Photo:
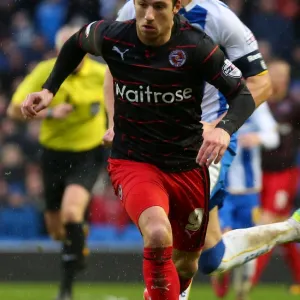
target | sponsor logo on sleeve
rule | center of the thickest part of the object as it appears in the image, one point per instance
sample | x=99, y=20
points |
x=88, y=29
x=229, y=69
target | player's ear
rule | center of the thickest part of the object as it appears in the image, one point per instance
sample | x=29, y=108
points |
x=177, y=6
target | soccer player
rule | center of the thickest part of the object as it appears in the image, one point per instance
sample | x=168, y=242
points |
x=244, y=183
x=280, y=171
x=71, y=154
x=159, y=63
x=239, y=44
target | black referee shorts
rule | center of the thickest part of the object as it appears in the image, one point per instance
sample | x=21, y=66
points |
x=62, y=168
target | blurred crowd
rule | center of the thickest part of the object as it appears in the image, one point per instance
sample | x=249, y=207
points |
x=27, y=34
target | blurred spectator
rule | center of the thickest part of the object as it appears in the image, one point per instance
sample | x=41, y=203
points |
x=34, y=189
x=10, y=132
x=107, y=209
x=88, y=10
x=3, y=105
x=236, y=5
x=13, y=167
x=22, y=29
x=50, y=16
x=267, y=24
x=6, y=11
x=31, y=146
x=109, y=8
x=289, y=8
x=296, y=62
x=295, y=91
x=281, y=173
x=266, y=50
x=3, y=193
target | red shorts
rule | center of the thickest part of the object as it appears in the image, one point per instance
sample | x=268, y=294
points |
x=279, y=191
x=184, y=196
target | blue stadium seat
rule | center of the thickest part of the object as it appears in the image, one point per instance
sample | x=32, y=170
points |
x=20, y=223
x=131, y=233
x=103, y=233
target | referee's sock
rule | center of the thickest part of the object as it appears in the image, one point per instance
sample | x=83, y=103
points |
x=72, y=255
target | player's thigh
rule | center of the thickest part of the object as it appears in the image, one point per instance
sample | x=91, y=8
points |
x=189, y=197
x=279, y=191
x=218, y=175
x=139, y=186
x=53, y=174
x=82, y=174
x=214, y=232
x=247, y=212
x=84, y=168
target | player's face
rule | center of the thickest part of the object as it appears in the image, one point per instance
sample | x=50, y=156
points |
x=154, y=20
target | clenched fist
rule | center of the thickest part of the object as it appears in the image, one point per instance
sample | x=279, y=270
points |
x=36, y=102
x=215, y=143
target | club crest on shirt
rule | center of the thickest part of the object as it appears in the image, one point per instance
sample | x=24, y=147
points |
x=177, y=58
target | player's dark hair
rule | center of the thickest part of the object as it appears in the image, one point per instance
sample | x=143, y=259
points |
x=174, y=2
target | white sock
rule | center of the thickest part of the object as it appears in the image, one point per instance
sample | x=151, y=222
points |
x=242, y=276
x=243, y=245
x=185, y=295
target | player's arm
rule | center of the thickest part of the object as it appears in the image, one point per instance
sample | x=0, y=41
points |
x=241, y=48
x=267, y=134
x=260, y=87
x=88, y=39
x=109, y=97
x=31, y=83
x=227, y=78
x=210, y=62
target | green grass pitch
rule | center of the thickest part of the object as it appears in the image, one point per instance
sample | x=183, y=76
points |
x=130, y=291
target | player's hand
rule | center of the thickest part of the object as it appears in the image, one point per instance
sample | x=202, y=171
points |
x=249, y=140
x=36, y=102
x=215, y=143
x=61, y=111
x=208, y=127
x=108, y=137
